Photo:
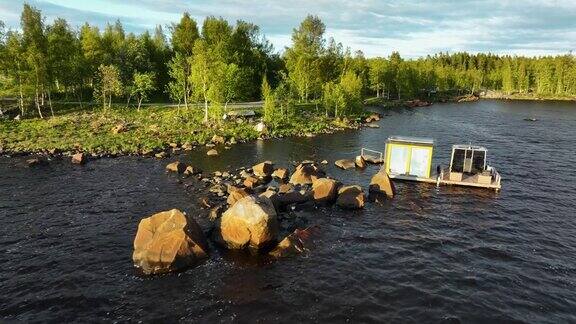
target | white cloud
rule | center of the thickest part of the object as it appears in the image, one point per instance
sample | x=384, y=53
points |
x=377, y=27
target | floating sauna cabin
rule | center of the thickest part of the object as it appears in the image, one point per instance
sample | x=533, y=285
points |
x=409, y=156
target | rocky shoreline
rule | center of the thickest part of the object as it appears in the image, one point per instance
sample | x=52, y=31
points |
x=251, y=208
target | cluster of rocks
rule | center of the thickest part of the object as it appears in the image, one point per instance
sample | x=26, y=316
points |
x=359, y=162
x=249, y=208
x=468, y=98
x=417, y=103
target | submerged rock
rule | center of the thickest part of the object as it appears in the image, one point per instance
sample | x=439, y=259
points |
x=212, y=152
x=350, y=197
x=36, y=162
x=381, y=184
x=291, y=245
x=251, y=222
x=168, y=241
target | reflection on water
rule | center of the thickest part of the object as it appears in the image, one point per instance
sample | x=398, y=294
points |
x=429, y=255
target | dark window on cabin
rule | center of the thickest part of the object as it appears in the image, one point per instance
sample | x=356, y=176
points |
x=458, y=160
x=478, y=161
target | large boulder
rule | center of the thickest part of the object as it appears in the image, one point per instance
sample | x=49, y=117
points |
x=177, y=167
x=236, y=194
x=345, y=164
x=251, y=222
x=263, y=169
x=381, y=184
x=305, y=173
x=324, y=190
x=350, y=197
x=168, y=241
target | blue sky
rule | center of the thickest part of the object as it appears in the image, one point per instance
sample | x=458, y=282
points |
x=415, y=28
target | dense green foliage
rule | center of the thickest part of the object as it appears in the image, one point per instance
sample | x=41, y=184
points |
x=218, y=63
x=543, y=76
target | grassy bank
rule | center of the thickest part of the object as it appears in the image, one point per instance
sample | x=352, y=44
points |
x=150, y=130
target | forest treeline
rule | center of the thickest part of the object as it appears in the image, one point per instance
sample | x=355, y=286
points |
x=219, y=62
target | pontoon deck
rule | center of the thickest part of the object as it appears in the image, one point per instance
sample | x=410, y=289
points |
x=410, y=158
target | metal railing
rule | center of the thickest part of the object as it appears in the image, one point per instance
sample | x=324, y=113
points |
x=379, y=154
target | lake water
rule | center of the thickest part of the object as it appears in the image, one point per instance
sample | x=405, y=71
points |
x=431, y=254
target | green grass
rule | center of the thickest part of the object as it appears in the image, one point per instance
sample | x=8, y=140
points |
x=152, y=128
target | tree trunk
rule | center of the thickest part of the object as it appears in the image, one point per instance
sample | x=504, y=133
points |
x=205, y=110
x=128, y=101
x=139, y=103
x=21, y=97
x=37, y=99
x=110, y=101
x=80, y=98
x=185, y=100
x=50, y=104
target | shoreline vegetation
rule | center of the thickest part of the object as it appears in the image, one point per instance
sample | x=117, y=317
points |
x=155, y=131
x=66, y=90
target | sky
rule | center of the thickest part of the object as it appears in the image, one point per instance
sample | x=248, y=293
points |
x=414, y=28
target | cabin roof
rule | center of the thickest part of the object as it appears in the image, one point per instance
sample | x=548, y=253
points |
x=469, y=147
x=411, y=140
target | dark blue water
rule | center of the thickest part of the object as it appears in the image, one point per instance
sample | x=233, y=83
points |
x=429, y=255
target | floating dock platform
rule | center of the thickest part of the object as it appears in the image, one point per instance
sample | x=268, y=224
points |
x=410, y=159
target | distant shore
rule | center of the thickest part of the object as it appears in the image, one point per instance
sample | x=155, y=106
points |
x=490, y=94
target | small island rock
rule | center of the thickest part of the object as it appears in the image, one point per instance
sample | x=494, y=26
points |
x=251, y=222
x=168, y=241
x=381, y=184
